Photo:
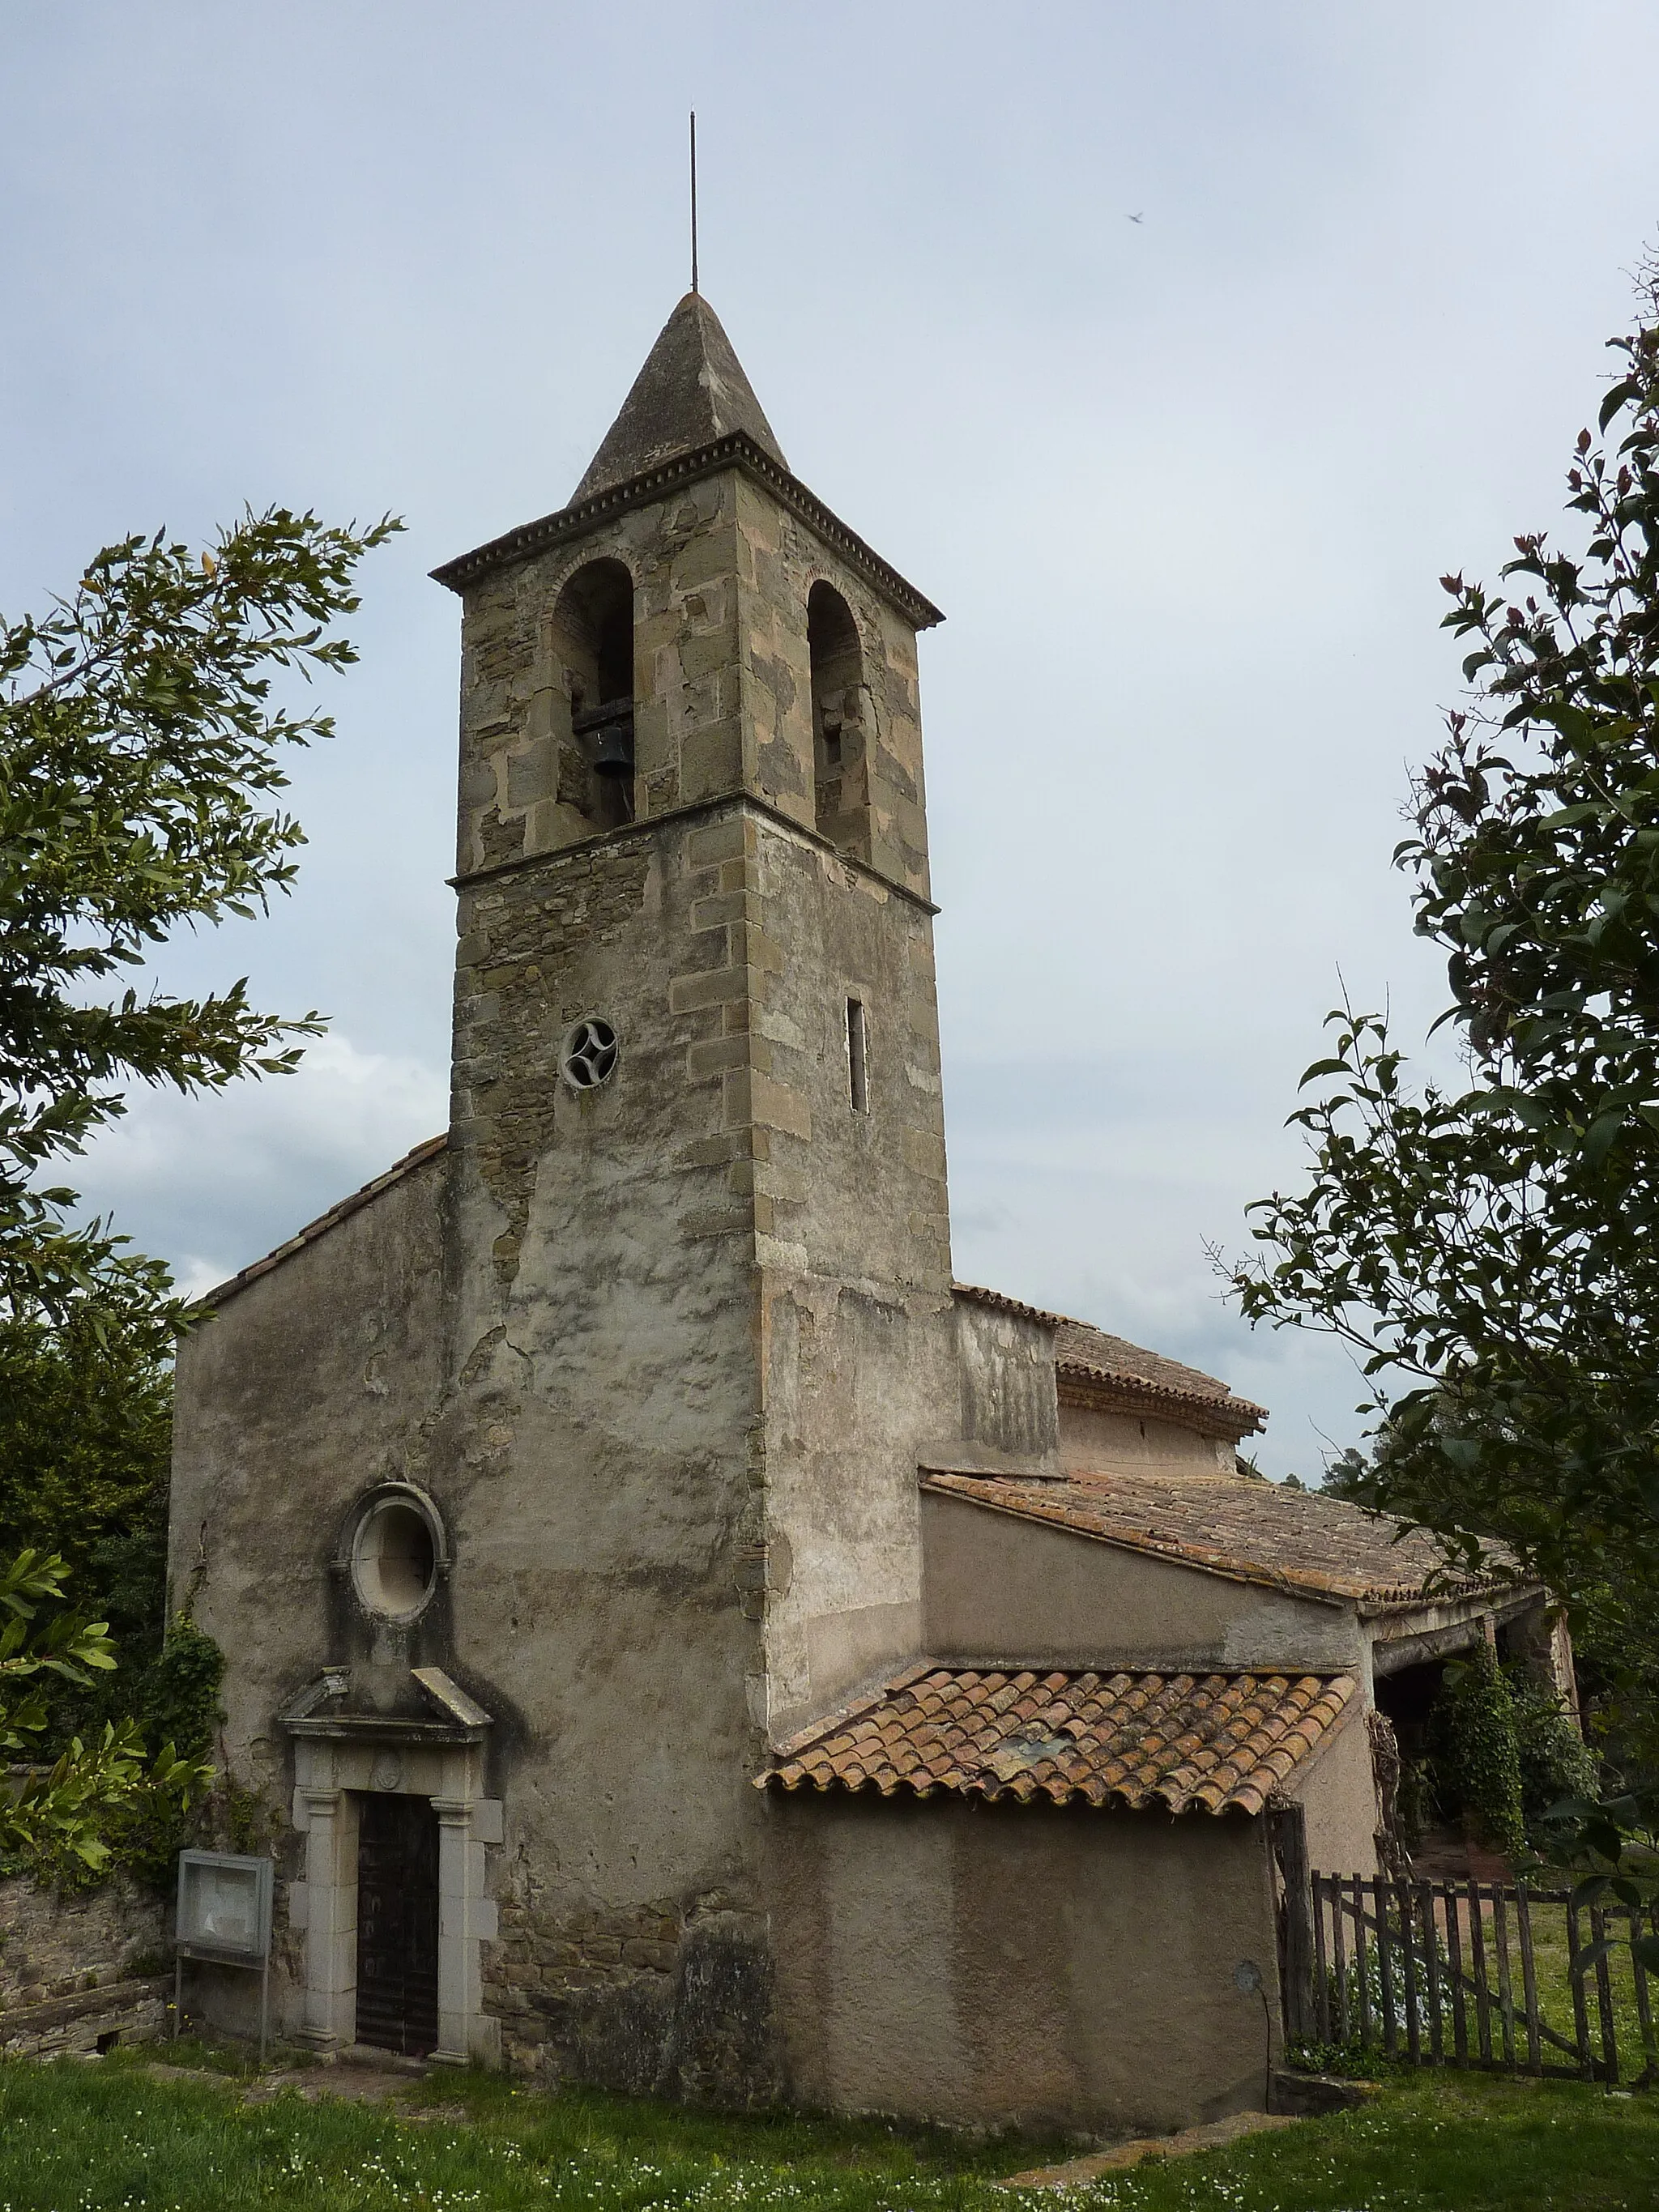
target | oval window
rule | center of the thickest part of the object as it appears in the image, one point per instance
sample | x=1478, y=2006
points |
x=394, y=1561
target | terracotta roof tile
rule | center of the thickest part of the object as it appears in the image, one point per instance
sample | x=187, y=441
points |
x=1298, y=1540
x=999, y=1302
x=1078, y=1344
x=1213, y=1742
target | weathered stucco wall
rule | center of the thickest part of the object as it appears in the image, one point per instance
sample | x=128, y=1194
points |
x=314, y=1383
x=1008, y=1417
x=990, y=1966
x=1337, y=1793
x=997, y=1586
x=853, y=1241
x=600, y=1435
x=1093, y=1442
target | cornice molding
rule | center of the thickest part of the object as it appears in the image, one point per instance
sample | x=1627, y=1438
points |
x=738, y=450
x=1228, y=1418
x=631, y=832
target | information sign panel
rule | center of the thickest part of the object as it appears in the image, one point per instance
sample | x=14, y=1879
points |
x=224, y=1915
x=224, y=1906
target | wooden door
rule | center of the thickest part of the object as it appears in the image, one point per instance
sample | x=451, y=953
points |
x=397, y=1924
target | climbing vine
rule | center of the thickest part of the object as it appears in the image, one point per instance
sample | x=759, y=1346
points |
x=1556, y=1763
x=1476, y=1752
x=176, y=1698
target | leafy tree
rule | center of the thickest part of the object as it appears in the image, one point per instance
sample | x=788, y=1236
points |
x=141, y=761
x=140, y=752
x=85, y=1443
x=52, y=1815
x=85, y=1436
x=1490, y=1246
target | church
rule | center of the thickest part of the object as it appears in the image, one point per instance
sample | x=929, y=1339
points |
x=678, y=1636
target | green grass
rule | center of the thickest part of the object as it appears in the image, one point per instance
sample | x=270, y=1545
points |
x=1550, y=1956
x=103, y=2137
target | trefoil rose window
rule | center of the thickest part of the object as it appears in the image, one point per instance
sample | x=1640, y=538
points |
x=588, y=1053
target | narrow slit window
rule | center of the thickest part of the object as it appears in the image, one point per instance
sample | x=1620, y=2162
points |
x=858, y=1057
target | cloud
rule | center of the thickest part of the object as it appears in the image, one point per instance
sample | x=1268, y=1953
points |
x=1097, y=1189
x=210, y=1183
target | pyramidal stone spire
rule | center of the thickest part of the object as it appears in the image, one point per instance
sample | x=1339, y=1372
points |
x=691, y=391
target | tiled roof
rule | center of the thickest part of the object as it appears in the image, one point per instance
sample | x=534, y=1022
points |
x=999, y=1302
x=1115, y=1392
x=1093, y=1368
x=1214, y=1742
x=1078, y=1345
x=336, y=1213
x=1298, y=1540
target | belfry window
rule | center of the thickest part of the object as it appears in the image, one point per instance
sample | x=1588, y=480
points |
x=838, y=767
x=594, y=639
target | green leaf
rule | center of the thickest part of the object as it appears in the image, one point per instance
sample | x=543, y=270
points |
x=1592, y=1956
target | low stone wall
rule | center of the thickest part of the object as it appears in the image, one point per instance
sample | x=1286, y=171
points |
x=78, y=1971
x=93, y=2019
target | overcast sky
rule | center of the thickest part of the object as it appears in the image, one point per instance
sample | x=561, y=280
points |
x=1183, y=486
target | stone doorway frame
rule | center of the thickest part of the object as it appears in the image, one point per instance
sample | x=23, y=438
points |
x=340, y=1757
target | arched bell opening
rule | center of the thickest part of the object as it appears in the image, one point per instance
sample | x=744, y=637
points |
x=841, y=786
x=593, y=640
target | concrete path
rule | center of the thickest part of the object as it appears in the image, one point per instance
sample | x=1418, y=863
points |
x=351, y=2083
x=1211, y=2136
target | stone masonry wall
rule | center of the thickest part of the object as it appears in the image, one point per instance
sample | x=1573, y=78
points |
x=670, y=1998
x=516, y=690
x=722, y=683
x=79, y=1969
x=779, y=560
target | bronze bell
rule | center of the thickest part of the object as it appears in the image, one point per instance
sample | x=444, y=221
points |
x=613, y=748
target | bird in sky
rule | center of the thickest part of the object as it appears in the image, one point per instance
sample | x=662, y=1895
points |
x=1137, y=218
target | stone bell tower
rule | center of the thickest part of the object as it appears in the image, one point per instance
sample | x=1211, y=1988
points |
x=697, y=1236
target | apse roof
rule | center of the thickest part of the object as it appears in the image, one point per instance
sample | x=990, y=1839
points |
x=1094, y=1367
x=1214, y=1742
